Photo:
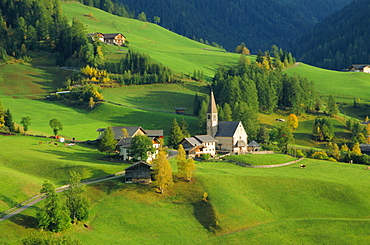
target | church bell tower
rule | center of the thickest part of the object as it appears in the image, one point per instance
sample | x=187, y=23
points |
x=212, y=116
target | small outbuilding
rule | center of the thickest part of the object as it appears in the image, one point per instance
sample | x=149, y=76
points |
x=253, y=146
x=180, y=110
x=139, y=172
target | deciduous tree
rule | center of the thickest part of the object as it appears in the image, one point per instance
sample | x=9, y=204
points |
x=55, y=125
x=284, y=138
x=356, y=149
x=77, y=202
x=292, y=121
x=162, y=172
x=185, y=166
x=141, y=146
x=26, y=121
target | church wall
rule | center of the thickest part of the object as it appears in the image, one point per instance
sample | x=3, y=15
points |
x=226, y=143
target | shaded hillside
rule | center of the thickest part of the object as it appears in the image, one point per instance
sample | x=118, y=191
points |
x=257, y=23
x=338, y=41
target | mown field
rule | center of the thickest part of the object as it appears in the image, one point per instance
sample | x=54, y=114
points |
x=269, y=159
x=325, y=203
x=345, y=86
x=177, y=52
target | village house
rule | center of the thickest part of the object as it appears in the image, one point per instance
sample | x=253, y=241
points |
x=199, y=145
x=139, y=172
x=360, y=68
x=110, y=38
x=124, y=135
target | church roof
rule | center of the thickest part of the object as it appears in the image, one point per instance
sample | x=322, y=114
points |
x=227, y=128
x=253, y=144
x=240, y=143
x=212, y=108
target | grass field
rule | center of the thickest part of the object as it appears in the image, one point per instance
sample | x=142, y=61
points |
x=325, y=203
x=345, y=86
x=268, y=159
x=177, y=52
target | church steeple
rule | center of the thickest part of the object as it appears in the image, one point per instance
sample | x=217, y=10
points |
x=212, y=116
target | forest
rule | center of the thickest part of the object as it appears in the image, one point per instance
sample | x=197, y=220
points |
x=259, y=24
x=338, y=41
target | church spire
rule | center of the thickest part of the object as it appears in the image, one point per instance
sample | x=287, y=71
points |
x=212, y=116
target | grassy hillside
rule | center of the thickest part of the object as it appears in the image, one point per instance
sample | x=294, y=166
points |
x=175, y=51
x=345, y=86
x=324, y=203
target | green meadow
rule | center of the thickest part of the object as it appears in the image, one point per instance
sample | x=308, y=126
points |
x=345, y=86
x=175, y=51
x=325, y=203
x=268, y=159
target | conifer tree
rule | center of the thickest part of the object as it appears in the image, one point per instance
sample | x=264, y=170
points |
x=284, y=138
x=227, y=112
x=332, y=106
x=202, y=117
x=8, y=120
x=107, y=143
x=175, y=135
x=184, y=128
x=162, y=172
x=77, y=203
x=196, y=104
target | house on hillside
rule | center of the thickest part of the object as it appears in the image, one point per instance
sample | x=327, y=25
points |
x=360, y=68
x=124, y=135
x=110, y=38
x=230, y=135
x=139, y=172
x=199, y=145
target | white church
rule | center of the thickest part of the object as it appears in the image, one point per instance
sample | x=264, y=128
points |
x=222, y=136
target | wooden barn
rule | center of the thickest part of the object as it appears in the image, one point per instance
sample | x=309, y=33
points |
x=139, y=172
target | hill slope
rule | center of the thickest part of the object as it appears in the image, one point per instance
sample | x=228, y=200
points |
x=339, y=40
x=259, y=24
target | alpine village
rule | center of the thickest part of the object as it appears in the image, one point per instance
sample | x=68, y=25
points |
x=184, y=122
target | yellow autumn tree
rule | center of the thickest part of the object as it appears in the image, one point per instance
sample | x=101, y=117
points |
x=356, y=149
x=185, y=166
x=292, y=121
x=162, y=172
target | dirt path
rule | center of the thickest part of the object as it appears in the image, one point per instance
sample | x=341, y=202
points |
x=295, y=65
x=60, y=189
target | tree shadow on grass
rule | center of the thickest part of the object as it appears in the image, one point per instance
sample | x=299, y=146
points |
x=24, y=220
x=206, y=216
x=8, y=201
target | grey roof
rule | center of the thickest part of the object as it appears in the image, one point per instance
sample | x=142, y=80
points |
x=359, y=66
x=254, y=144
x=365, y=147
x=112, y=35
x=240, y=143
x=154, y=133
x=125, y=142
x=138, y=163
x=212, y=108
x=131, y=130
x=193, y=141
x=205, y=138
x=227, y=128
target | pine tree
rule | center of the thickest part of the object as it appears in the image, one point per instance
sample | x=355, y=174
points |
x=162, y=172
x=8, y=120
x=184, y=128
x=196, y=104
x=107, y=143
x=202, y=117
x=175, y=135
x=332, y=106
x=227, y=113
x=284, y=138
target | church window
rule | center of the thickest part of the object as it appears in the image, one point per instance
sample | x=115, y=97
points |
x=209, y=116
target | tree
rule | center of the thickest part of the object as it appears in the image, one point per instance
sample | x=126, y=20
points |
x=227, y=113
x=284, y=138
x=107, y=143
x=202, y=117
x=77, y=203
x=196, y=104
x=185, y=166
x=141, y=146
x=8, y=120
x=175, y=135
x=26, y=121
x=156, y=19
x=49, y=240
x=91, y=103
x=292, y=121
x=142, y=17
x=332, y=106
x=263, y=136
x=124, y=133
x=184, y=128
x=241, y=49
x=56, y=126
x=162, y=172
x=54, y=216
x=356, y=149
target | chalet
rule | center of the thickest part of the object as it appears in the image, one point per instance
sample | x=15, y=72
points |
x=110, y=38
x=180, y=110
x=139, y=172
x=114, y=38
x=124, y=136
x=230, y=135
x=199, y=145
x=360, y=68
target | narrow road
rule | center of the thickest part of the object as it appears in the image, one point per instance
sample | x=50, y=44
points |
x=37, y=200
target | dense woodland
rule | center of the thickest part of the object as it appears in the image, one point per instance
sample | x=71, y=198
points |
x=259, y=24
x=338, y=41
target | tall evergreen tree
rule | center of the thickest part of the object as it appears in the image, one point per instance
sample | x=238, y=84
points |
x=332, y=106
x=175, y=135
x=107, y=143
x=8, y=120
x=184, y=128
x=196, y=104
x=202, y=117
